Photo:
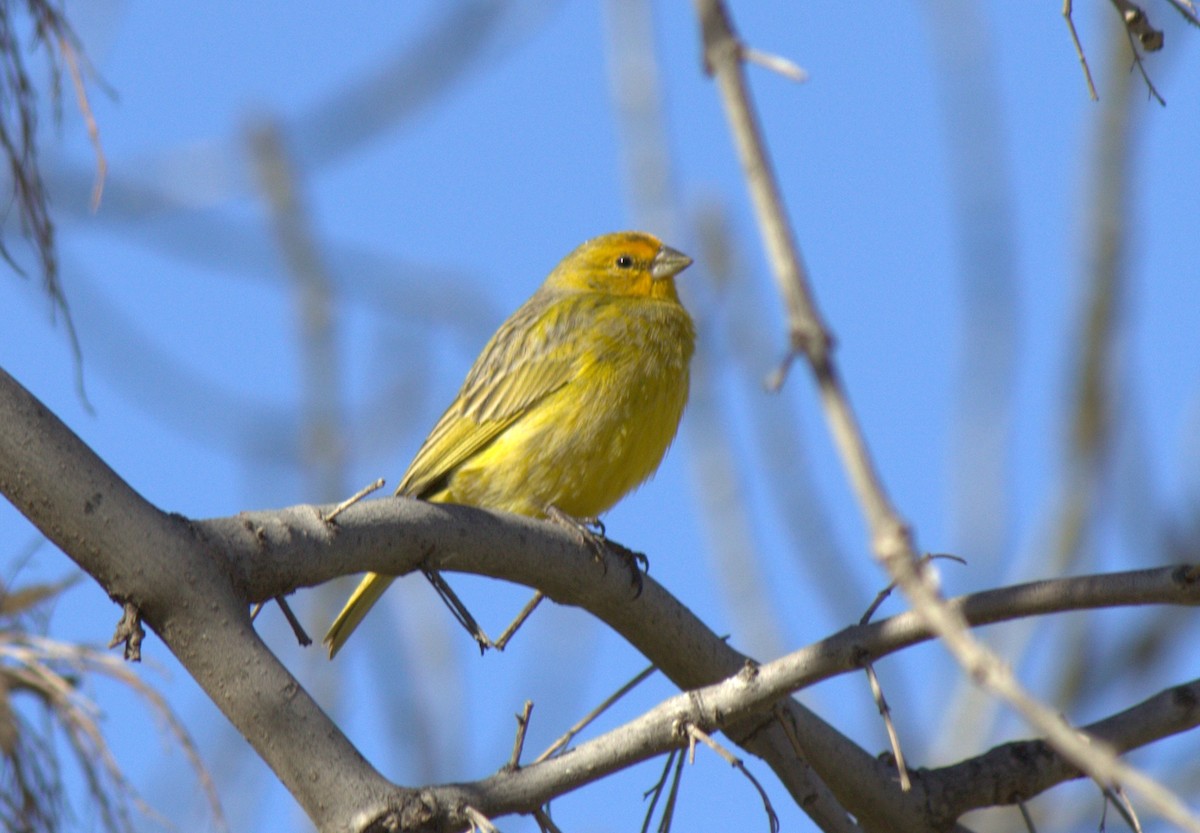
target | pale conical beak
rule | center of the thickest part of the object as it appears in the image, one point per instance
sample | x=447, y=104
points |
x=668, y=263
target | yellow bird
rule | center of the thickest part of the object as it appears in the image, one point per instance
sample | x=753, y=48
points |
x=572, y=403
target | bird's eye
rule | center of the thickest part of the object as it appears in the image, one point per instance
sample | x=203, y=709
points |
x=624, y=262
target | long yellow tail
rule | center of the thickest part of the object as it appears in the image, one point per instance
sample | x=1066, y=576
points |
x=361, y=600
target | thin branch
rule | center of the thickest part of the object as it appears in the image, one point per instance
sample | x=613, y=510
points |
x=877, y=692
x=775, y=63
x=807, y=333
x=519, y=620
x=891, y=538
x=698, y=734
x=1067, y=11
x=1024, y=769
x=723, y=56
x=302, y=637
x=519, y=741
x=583, y=722
x=674, y=758
x=458, y=608
x=1141, y=66
x=1137, y=25
x=893, y=737
x=883, y=595
x=668, y=816
x=353, y=499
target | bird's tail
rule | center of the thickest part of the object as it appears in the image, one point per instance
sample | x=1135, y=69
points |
x=361, y=600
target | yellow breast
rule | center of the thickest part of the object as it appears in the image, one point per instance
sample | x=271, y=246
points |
x=602, y=433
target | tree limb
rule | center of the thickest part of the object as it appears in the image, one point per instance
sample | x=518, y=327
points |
x=155, y=561
x=137, y=553
x=1017, y=771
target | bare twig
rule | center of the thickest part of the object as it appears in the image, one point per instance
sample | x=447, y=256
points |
x=893, y=737
x=673, y=761
x=674, y=757
x=519, y=741
x=1137, y=25
x=886, y=592
x=787, y=720
x=516, y=623
x=458, y=608
x=1141, y=66
x=723, y=55
x=775, y=63
x=594, y=713
x=1067, y=12
x=353, y=499
x=668, y=816
x=695, y=733
x=297, y=629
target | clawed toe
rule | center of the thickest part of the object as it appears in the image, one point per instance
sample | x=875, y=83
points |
x=636, y=562
x=591, y=532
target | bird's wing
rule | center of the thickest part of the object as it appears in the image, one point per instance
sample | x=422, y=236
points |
x=533, y=354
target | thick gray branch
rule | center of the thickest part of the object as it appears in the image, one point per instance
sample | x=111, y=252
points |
x=163, y=564
x=187, y=593
x=1020, y=770
x=140, y=554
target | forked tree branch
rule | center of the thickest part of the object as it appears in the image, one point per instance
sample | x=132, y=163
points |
x=187, y=593
x=891, y=538
x=163, y=563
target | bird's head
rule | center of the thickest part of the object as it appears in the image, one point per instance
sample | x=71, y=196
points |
x=624, y=263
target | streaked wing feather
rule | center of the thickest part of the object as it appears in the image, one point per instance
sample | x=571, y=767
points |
x=527, y=359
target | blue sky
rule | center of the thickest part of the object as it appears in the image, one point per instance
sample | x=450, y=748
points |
x=436, y=223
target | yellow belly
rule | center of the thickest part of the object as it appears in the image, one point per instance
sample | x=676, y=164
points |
x=592, y=441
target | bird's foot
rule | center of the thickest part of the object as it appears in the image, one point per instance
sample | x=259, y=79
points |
x=591, y=533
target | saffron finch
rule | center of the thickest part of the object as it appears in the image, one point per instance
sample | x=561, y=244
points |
x=572, y=403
